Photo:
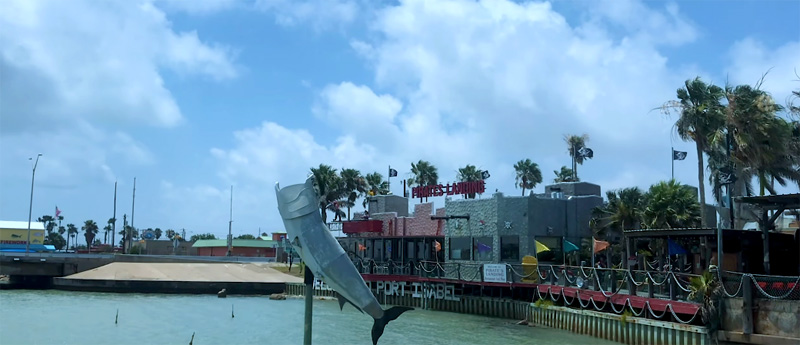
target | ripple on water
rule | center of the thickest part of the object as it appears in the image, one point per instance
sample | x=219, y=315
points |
x=61, y=317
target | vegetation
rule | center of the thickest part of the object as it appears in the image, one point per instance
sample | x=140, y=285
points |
x=467, y=174
x=574, y=145
x=245, y=237
x=206, y=236
x=565, y=175
x=89, y=231
x=706, y=289
x=528, y=175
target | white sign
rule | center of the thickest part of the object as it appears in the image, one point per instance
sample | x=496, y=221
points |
x=494, y=273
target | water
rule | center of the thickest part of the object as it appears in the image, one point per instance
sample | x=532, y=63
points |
x=60, y=317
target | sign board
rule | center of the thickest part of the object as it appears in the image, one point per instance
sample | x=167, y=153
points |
x=428, y=290
x=458, y=188
x=494, y=273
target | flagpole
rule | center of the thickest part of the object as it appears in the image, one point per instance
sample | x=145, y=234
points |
x=389, y=179
x=672, y=154
x=114, y=225
x=563, y=250
x=593, y=244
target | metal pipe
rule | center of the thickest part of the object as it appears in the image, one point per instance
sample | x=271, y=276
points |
x=309, y=298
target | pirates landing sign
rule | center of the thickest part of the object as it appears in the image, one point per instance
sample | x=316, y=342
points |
x=458, y=188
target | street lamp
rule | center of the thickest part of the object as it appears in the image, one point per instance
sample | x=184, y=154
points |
x=30, y=209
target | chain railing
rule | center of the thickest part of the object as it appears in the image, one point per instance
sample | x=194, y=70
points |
x=764, y=286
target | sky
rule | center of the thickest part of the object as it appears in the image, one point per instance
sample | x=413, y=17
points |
x=193, y=97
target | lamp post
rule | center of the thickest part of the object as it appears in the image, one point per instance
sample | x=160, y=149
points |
x=30, y=209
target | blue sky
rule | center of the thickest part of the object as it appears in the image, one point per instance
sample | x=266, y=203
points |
x=192, y=97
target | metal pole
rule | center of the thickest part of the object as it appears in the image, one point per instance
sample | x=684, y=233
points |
x=230, y=226
x=133, y=208
x=30, y=209
x=389, y=180
x=672, y=159
x=309, y=280
x=114, y=225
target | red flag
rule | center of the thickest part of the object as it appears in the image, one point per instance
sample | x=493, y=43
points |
x=362, y=247
x=58, y=212
x=599, y=246
x=437, y=245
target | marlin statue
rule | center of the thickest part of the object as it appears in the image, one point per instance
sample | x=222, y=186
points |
x=299, y=208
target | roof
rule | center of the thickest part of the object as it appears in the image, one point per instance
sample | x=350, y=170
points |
x=16, y=225
x=236, y=243
x=789, y=201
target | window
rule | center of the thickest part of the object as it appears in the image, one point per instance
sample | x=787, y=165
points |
x=482, y=248
x=509, y=248
x=459, y=248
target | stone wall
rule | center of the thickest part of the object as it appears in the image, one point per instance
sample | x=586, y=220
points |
x=418, y=224
x=772, y=317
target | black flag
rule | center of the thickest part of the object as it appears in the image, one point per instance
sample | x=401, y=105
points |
x=585, y=152
x=678, y=155
x=392, y=172
x=485, y=174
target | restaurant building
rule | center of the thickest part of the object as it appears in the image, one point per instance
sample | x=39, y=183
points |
x=252, y=248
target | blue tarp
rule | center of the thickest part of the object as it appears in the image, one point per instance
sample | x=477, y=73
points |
x=676, y=249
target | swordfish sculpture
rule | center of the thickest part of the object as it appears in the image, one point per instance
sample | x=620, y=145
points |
x=299, y=208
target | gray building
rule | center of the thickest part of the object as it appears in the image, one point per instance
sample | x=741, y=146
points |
x=505, y=228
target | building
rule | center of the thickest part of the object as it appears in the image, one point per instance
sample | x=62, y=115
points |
x=487, y=230
x=167, y=247
x=251, y=248
x=14, y=236
x=505, y=228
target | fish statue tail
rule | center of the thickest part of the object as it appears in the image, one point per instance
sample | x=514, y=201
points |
x=388, y=315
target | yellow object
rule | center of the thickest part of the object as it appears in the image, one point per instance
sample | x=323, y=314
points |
x=541, y=247
x=529, y=266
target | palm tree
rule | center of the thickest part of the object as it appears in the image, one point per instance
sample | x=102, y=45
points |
x=425, y=174
x=701, y=115
x=329, y=187
x=158, y=233
x=761, y=140
x=565, y=175
x=671, y=205
x=90, y=231
x=170, y=234
x=355, y=186
x=623, y=210
x=528, y=175
x=467, y=174
x=72, y=231
x=574, y=144
x=375, y=185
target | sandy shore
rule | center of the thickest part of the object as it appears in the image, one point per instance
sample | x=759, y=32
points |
x=188, y=272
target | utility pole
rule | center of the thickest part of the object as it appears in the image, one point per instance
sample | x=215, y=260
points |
x=114, y=225
x=230, y=225
x=30, y=210
x=133, y=208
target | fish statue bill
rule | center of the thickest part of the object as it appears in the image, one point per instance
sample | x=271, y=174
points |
x=299, y=208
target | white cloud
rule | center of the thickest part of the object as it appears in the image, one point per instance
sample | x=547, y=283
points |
x=316, y=13
x=198, y=7
x=750, y=59
x=63, y=61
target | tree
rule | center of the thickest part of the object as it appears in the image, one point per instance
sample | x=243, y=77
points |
x=575, y=147
x=54, y=239
x=72, y=231
x=425, y=173
x=170, y=234
x=245, y=237
x=701, y=115
x=375, y=185
x=565, y=175
x=206, y=236
x=671, y=205
x=329, y=187
x=49, y=222
x=622, y=210
x=264, y=234
x=467, y=174
x=106, y=229
x=354, y=186
x=158, y=233
x=763, y=144
x=528, y=175
x=90, y=231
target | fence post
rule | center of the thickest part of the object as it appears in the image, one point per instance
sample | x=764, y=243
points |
x=671, y=282
x=650, y=287
x=747, y=304
x=552, y=276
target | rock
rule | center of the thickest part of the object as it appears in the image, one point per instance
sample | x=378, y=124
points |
x=222, y=293
x=523, y=323
x=277, y=296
